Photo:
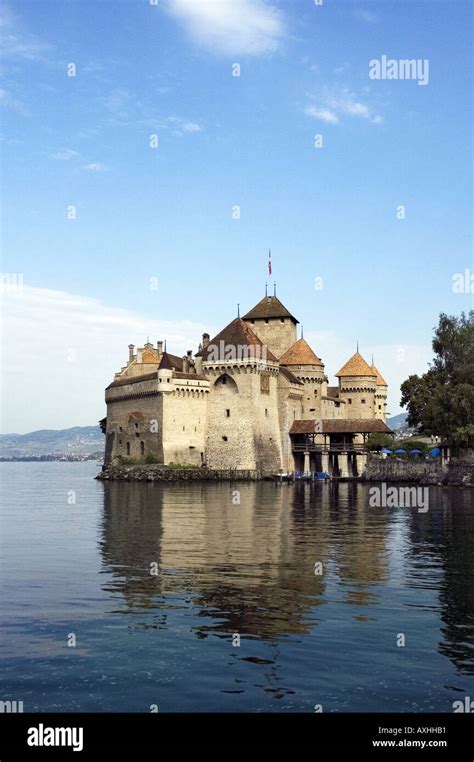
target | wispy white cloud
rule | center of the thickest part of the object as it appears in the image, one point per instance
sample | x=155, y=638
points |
x=124, y=109
x=191, y=127
x=324, y=114
x=231, y=27
x=9, y=101
x=332, y=106
x=95, y=167
x=85, y=341
x=369, y=17
x=117, y=101
x=181, y=126
x=15, y=42
x=64, y=154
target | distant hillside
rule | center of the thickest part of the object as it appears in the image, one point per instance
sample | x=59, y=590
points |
x=398, y=422
x=88, y=440
x=80, y=440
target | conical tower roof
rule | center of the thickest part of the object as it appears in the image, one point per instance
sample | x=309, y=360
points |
x=380, y=378
x=300, y=354
x=165, y=362
x=269, y=307
x=356, y=366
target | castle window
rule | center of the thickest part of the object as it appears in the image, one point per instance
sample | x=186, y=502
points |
x=312, y=409
x=136, y=425
x=225, y=439
x=142, y=448
x=315, y=392
x=380, y=407
x=120, y=428
x=363, y=402
x=266, y=320
x=120, y=441
x=184, y=427
x=282, y=320
x=224, y=380
x=227, y=413
x=128, y=448
x=337, y=404
x=168, y=380
x=137, y=434
x=349, y=401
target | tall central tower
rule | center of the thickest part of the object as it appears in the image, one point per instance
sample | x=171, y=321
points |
x=273, y=324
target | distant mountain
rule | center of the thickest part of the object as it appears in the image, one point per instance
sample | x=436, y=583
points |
x=398, y=422
x=78, y=441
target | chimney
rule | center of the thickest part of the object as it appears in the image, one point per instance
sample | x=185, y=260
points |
x=131, y=347
x=159, y=346
x=205, y=340
x=185, y=364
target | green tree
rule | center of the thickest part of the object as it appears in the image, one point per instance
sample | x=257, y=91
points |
x=377, y=441
x=441, y=401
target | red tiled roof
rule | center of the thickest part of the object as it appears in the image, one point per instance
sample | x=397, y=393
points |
x=191, y=376
x=356, y=366
x=236, y=341
x=300, y=354
x=380, y=379
x=341, y=426
x=132, y=380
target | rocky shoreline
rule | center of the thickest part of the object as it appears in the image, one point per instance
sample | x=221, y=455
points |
x=160, y=473
x=458, y=473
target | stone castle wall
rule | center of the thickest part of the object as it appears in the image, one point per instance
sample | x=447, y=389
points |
x=134, y=421
x=359, y=396
x=243, y=425
x=184, y=426
x=278, y=334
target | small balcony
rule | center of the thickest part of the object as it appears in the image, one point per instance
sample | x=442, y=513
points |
x=310, y=446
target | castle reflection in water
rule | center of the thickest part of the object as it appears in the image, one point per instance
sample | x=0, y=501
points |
x=249, y=568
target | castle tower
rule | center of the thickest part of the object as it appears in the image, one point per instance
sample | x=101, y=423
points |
x=242, y=417
x=273, y=324
x=309, y=369
x=165, y=374
x=357, y=387
x=380, y=401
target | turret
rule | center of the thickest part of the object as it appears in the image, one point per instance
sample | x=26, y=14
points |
x=380, y=401
x=165, y=374
x=273, y=324
x=357, y=387
x=309, y=369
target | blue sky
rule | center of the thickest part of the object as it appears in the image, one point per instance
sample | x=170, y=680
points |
x=225, y=141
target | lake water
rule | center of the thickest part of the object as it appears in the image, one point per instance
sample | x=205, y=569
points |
x=81, y=570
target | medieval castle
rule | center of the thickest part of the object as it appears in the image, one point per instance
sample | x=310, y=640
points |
x=252, y=398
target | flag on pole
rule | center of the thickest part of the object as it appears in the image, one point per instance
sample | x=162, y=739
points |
x=269, y=262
